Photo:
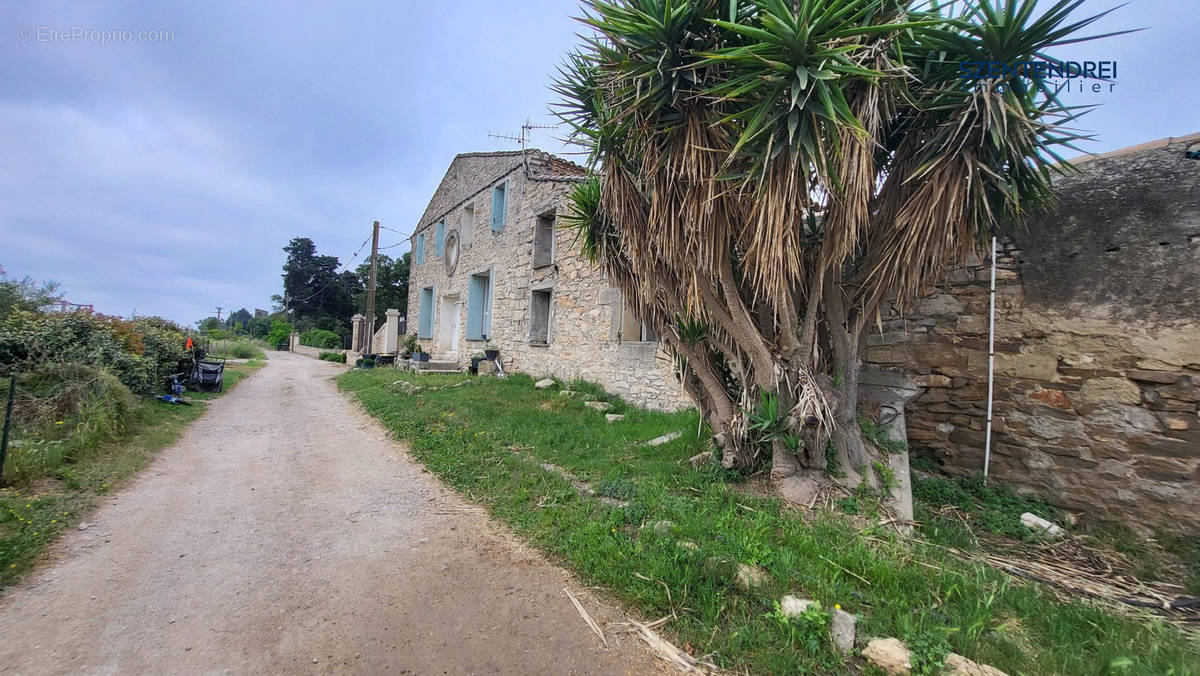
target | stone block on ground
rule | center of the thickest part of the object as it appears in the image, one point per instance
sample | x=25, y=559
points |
x=701, y=459
x=566, y=393
x=598, y=405
x=957, y=665
x=794, y=606
x=614, y=417
x=544, y=384
x=842, y=630
x=487, y=368
x=749, y=576
x=1034, y=522
x=889, y=655
x=664, y=439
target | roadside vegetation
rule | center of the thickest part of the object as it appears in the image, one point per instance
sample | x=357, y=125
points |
x=84, y=412
x=667, y=539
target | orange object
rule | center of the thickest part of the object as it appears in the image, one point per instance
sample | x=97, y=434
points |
x=189, y=345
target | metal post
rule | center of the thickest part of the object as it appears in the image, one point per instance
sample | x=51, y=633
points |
x=987, y=443
x=12, y=394
x=370, y=329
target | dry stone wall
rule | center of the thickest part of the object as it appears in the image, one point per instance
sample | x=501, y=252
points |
x=1097, y=385
x=582, y=340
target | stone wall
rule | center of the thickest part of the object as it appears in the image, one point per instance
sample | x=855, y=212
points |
x=1097, y=383
x=585, y=312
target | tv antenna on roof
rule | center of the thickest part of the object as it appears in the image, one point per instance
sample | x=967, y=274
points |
x=523, y=139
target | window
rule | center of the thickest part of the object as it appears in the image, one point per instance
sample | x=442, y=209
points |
x=425, y=314
x=633, y=329
x=499, y=205
x=539, y=316
x=466, y=227
x=439, y=239
x=420, y=253
x=543, y=241
x=479, y=306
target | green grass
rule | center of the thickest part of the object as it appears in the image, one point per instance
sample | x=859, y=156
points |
x=983, y=509
x=52, y=493
x=915, y=592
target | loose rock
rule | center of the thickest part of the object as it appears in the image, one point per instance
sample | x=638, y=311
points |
x=598, y=405
x=613, y=417
x=890, y=655
x=566, y=393
x=748, y=576
x=957, y=665
x=1034, y=522
x=544, y=384
x=701, y=459
x=842, y=630
x=794, y=606
x=664, y=439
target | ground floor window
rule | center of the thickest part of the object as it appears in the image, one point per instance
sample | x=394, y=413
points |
x=425, y=313
x=479, y=306
x=539, y=316
x=632, y=328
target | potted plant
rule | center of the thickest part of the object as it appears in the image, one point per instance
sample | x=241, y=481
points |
x=491, y=351
x=475, y=359
x=411, y=346
x=368, y=361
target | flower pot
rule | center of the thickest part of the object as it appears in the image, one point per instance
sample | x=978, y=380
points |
x=491, y=354
x=475, y=364
x=420, y=356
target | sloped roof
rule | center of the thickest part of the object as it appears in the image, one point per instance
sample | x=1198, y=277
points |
x=469, y=173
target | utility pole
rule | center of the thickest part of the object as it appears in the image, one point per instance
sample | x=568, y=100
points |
x=370, y=321
x=218, y=313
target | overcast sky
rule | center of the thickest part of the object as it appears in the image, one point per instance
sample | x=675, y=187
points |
x=166, y=175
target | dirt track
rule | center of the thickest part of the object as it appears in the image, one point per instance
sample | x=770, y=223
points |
x=285, y=533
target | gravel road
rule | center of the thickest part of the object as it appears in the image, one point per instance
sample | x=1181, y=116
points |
x=285, y=532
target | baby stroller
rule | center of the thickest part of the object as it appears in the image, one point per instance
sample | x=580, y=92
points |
x=207, y=375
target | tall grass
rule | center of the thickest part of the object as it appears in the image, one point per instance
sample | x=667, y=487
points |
x=238, y=348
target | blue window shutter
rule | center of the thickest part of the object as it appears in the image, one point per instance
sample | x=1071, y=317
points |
x=487, y=304
x=420, y=248
x=425, y=314
x=499, y=204
x=475, y=300
x=439, y=239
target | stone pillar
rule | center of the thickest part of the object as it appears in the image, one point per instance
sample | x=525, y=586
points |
x=391, y=331
x=356, y=333
x=293, y=341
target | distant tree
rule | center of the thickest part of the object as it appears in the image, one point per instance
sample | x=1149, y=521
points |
x=391, y=285
x=239, y=321
x=314, y=288
x=258, y=327
x=24, y=294
x=210, y=324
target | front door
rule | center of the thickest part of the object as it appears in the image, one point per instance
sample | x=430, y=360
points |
x=448, y=325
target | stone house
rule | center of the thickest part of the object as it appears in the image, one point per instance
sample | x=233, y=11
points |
x=493, y=266
x=1097, y=386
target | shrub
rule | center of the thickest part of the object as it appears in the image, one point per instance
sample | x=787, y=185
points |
x=321, y=338
x=339, y=357
x=280, y=333
x=139, y=353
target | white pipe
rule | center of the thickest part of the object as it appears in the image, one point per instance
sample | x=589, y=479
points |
x=987, y=443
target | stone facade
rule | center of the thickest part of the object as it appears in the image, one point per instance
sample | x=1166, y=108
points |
x=559, y=317
x=1097, y=368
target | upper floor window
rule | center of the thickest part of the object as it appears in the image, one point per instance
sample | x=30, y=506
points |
x=466, y=226
x=420, y=253
x=543, y=241
x=499, y=206
x=439, y=239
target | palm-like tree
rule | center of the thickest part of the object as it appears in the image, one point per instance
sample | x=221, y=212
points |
x=770, y=172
